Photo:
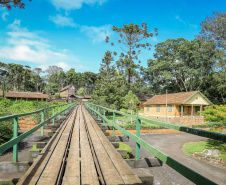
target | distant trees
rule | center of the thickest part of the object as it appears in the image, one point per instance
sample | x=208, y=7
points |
x=21, y=78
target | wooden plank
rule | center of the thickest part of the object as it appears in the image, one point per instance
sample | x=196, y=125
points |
x=122, y=167
x=51, y=171
x=110, y=173
x=34, y=172
x=88, y=170
x=72, y=171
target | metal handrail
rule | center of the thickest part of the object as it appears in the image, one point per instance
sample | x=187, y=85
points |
x=16, y=139
x=182, y=169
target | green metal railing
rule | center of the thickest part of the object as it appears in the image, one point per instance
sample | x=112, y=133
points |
x=182, y=169
x=16, y=139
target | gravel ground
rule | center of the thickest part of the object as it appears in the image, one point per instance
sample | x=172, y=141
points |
x=171, y=144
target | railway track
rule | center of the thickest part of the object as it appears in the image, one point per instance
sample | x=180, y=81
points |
x=79, y=153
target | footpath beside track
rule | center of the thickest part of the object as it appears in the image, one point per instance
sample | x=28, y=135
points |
x=79, y=153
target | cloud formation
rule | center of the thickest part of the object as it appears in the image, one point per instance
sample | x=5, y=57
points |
x=74, y=4
x=4, y=13
x=97, y=34
x=63, y=21
x=26, y=46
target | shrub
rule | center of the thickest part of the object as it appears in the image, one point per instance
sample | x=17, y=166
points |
x=6, y=131
x=215, y=113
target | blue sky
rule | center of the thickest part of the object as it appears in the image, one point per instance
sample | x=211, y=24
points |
x=71, y=33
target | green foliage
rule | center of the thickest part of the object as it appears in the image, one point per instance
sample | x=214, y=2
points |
x=35, y=148
x=6, y=133
x=191, y=147
x=81, y=92
x=127, y=147
x=131, y=102
x=52, y=88
x=57, y=96
x=215, y=113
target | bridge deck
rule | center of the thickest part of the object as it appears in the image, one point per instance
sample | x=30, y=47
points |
x=79, y=153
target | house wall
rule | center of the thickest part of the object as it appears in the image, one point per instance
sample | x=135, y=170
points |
x=162, y=112
x=197, y=99
x=141, y=106
x=64, y=94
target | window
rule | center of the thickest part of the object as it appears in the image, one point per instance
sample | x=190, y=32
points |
x=157, y=108
x=147, y=108
x=180, y=108
x=170, y=108
x=197, y=108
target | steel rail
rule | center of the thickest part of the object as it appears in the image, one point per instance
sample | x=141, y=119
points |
x=97, y=165
x=63, y=164
x=66, y=122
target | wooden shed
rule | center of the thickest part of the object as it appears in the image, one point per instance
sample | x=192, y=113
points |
x=68, y=91
x=26, y=96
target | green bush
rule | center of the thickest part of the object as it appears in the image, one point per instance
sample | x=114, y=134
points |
x=127, y=147
x=57, y=96
x=6, y=133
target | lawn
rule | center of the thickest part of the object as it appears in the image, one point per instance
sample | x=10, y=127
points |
x=191, y=147
x=128, y=122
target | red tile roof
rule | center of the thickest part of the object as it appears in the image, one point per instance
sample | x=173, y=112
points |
x=12, y=94
x=175, y=98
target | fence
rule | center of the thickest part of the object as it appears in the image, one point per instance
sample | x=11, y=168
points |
x=183, y=170
x=16, y=139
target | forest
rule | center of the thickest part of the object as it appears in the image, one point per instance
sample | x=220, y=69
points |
x=178, y=65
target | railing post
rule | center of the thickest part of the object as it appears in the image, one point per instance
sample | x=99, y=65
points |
x=42, y=120
x=59, y=112
x=103, y=118
x=114, y=123
x=138, y=135
x=15, y=134
x=98, y=112
x=53, y=115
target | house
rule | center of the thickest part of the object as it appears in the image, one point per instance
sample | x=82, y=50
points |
x=181, y=107
x=68, y=92
x=26, y=96
x=143, y=98
x=83, y=99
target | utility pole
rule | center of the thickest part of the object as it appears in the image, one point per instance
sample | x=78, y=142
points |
x=166, y=105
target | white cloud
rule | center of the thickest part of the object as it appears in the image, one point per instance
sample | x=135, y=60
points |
x=97, y=34
x=74, y=4
x=63, y=21
x=26, y=46
x=4, y=13
x=186, y=23
x=63, y=65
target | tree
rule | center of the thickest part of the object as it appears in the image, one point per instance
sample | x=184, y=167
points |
x=12, y=3
x=214, y=28
x=53, y=69
x=107, y=70
x=131, y=102
x=37, y=78
x=81, y=92
x=51, y=88
x=181, y=65
x=131, y=36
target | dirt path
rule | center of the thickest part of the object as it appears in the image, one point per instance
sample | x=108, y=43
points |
x=171, y=144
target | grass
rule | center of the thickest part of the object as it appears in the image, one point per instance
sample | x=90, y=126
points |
x=192, y=147
x=35, y=148
x=128, y=124
x=127, y=147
